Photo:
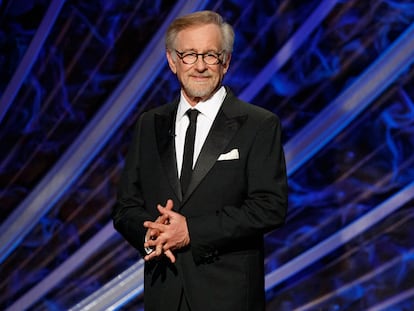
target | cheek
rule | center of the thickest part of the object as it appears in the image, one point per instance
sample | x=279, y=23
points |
x=218, y=72
x=181, y=76
x=182, y=71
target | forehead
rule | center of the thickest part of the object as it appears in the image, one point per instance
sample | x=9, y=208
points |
x=200, y=38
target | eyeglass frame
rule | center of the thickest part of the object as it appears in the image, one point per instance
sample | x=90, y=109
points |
x=203, y=55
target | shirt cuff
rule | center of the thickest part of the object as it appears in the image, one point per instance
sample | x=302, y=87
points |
x=148, y=250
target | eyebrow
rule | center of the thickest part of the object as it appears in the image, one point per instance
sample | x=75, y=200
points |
x=194, y=51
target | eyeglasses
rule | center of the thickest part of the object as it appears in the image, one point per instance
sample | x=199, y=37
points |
x=190, y=58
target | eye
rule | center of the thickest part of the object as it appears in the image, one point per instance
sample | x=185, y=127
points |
x=190, y=55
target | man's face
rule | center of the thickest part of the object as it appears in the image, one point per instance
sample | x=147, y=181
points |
x=199, y=81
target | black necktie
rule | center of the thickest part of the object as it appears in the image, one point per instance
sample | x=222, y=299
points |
x=187, y=167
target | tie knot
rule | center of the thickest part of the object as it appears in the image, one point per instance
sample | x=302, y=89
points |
x=192, y=114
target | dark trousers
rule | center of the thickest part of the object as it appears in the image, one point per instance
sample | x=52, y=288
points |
x=183, y=306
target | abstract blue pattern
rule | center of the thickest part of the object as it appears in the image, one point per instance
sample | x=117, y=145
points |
x=89, y=51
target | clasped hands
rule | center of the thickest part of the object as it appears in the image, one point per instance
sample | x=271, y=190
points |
x=167, y=233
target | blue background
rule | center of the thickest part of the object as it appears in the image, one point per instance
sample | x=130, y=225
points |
x=74, y=77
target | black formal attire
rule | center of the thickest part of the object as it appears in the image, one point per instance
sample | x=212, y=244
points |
x=237, y=193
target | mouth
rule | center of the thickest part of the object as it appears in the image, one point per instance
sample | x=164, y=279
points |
x=200, y=78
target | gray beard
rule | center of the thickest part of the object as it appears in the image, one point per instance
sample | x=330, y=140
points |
x=201, y=94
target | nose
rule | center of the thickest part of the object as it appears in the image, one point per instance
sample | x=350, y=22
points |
x=200, y=65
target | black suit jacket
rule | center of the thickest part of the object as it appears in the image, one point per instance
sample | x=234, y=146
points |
x=229, y=205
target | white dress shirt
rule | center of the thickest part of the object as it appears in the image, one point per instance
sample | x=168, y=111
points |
x=208, y=111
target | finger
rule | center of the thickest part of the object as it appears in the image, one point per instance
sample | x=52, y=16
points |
x=166, y=212
x=151, y=256
x=148, y=235
x=170, y=255
x=160, y=219
x=169, y=205
x=163, y=219
x=158, y=249
x=154, y=242
x=150, y=244
x=169, y=245
x=154, y=226
x=153, y=233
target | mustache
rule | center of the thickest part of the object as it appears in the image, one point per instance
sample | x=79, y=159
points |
x=200, y=75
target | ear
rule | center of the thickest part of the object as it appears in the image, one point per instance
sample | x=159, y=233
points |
x=227, y=63
x=171, y=62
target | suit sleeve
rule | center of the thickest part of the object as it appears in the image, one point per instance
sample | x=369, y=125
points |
x=129, y=214
x=264, y=207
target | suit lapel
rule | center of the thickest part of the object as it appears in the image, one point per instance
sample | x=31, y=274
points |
x=164, y=131
x=222, y=131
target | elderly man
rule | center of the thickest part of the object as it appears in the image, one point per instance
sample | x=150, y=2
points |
x=204, y=180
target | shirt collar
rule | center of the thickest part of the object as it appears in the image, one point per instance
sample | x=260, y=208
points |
x=209, y=108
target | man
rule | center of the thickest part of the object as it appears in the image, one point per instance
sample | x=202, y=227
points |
x=203, y=240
